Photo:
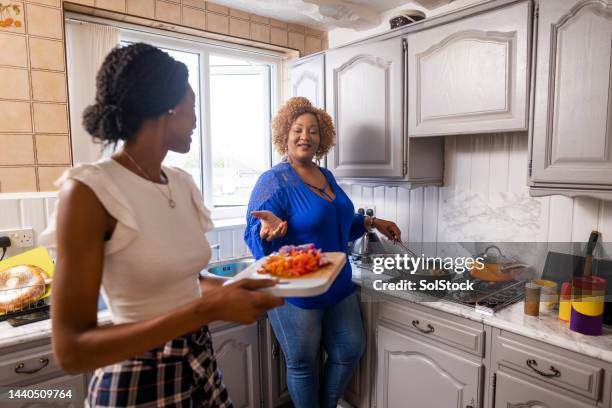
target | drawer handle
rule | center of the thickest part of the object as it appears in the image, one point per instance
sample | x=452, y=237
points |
x=274, y=350
x=430, y=328
x=43, y=363
x=533, y=364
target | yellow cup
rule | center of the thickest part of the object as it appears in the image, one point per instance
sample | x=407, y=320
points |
x=549, y=295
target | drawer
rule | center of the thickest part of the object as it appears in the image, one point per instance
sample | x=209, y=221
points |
x=443, y=327
x=549, y=364
x=27, y=365
x=515, y=392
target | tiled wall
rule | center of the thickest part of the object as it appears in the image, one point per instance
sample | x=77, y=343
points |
x=210, y=17
x=34, y=140
x=34, y=124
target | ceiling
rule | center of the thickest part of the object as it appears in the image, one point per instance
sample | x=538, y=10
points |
x=326, y=14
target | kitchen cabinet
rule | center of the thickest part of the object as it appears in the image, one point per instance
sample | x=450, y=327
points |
x=529, y=373
x=31, y=365
x=411, y=356
x=429, y=376
x=471, y=75
x=365, y=93
x=237, y=352
x=275, y=382
x=514, y=391
x=75, y=383
x=571, y=141
x=308, y=79
x=358, y=392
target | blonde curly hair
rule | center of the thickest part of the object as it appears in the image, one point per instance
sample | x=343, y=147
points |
x=289, y=112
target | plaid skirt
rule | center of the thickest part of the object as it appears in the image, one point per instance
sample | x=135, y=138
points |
x=182, y=373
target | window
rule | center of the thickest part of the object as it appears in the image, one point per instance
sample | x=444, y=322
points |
x=235, y=95
x=240, y=128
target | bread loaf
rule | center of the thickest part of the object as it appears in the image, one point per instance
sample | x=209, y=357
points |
x=20, y=286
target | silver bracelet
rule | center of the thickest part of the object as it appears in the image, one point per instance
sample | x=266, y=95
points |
x=372, y=219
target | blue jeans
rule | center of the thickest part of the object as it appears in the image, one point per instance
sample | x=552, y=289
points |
x=300, y=332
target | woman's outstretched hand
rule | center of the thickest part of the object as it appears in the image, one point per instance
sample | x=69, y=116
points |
x=272, y=227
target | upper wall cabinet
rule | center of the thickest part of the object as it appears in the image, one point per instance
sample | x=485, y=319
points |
x=365, y=96
x=471, y=75
x=308, y=79
x=572, y=129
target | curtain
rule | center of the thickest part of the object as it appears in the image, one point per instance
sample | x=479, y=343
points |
x=87, y=45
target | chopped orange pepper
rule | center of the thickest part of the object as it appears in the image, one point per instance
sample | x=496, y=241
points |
x=295, y=264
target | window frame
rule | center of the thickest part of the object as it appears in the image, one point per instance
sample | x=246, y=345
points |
x=204, y=47
x=204, y=52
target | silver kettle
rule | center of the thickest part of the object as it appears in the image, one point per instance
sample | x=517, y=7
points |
x=368, y=245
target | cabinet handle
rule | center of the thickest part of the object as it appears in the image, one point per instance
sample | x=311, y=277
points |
x=274, y=350
x=430, y=328
x=533, y=364
x=43, y=363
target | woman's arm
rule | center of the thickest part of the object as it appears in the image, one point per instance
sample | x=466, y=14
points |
x=357, y=227
x=79, y=344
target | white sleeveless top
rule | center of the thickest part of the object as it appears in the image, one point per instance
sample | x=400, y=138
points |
x=152, y=261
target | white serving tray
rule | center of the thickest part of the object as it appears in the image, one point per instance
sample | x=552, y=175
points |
x=313, y=284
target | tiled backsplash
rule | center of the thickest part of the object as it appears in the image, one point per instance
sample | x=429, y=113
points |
x=34, y=140
x=34, y=124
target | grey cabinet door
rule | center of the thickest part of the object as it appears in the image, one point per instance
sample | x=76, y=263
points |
x=572, y=132
x=516, y=392
x=412, y=373
x=364, y=87
x=75, y=384
x=37, y=362
x=307, y=77
x=358, y=392
x=237, y=352
x=470, y=76
x=276, y=370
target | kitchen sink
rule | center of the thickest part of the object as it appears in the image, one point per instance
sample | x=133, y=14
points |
x=226, y=269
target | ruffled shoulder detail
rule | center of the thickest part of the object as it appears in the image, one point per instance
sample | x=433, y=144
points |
x=96, y=177
x=196, y=197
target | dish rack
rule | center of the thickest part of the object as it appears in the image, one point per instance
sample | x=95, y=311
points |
x=40, y=304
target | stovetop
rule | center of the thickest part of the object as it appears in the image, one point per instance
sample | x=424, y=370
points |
x=487, y=297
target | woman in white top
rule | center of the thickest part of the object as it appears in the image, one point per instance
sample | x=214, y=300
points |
x=135, y=229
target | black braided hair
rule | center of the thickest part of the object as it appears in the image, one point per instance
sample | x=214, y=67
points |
x=134, y=83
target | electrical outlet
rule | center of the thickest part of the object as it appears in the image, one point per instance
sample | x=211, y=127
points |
x=20, y=238
x=370, y=206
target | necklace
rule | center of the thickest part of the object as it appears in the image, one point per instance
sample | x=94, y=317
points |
x=168, y=196
x=321, y=190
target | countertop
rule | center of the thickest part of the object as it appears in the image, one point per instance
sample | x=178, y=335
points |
x=546, y=328
x=11, y=336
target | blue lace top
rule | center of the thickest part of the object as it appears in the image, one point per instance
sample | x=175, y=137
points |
x=311, y=218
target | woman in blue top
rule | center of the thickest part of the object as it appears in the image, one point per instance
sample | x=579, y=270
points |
x=298, y=202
